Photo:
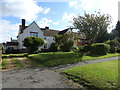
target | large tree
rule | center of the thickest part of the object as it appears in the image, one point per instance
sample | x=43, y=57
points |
x=118, y=28
x=33, y=43
x=92, y=26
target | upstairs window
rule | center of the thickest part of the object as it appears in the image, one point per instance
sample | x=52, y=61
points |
x=35, y=34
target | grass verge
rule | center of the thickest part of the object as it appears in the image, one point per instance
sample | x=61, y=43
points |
x=16, y=63
x=55, y=58
x=58, y=58
x=4, y=64
x=98, y=76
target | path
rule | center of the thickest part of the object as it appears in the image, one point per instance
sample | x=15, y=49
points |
x=41, y=77
x=63, y=67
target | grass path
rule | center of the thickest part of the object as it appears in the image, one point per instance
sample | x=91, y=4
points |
x=15, y=63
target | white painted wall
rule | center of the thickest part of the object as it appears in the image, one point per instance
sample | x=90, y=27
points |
x=26, y=33
x=49, y=40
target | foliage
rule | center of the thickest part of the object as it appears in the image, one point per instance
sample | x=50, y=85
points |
x=92, y=25
x=85, y=48
x=102, y=38
x=59, y=58
x=99, y=49
x=64, y=42
x=55, y=58
x=98, y=76
x=75, y=49
x=118, y=28
x=33, y=43
x=67, y=46
x=113, y=34
x=53, y=47
x=113, y=45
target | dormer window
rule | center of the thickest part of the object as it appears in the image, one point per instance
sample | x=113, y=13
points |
x=35, y=34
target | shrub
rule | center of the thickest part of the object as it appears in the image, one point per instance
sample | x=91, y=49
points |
x=118, y=50
x=33, y=43
x=53, y=47
x=67, y=46
x=113, y=44
x=75, y=49
x=86, y=48
x=99, y=49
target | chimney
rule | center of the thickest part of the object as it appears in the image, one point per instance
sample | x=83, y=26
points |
x=11, y=39
x=23, y=24
x=46, y=28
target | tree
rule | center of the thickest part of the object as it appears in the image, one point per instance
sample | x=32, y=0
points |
x=92, y=25
x=118, y=28
x=64, y=42
x=113, y=34
x=33, y=43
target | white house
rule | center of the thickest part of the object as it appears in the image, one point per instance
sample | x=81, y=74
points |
x=34, y=30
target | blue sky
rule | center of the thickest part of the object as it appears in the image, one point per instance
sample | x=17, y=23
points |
x=54, y=13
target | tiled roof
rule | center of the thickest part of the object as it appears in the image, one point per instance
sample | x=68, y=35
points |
x=12, y=43
x=50, y=32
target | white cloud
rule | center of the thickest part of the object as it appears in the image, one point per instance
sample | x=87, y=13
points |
x=8, y=30
x=27, y=9
x=72, y=3
x=44, y=22
x=68, y=17
x=55, y=23
x=106, y=6
x=46, y=10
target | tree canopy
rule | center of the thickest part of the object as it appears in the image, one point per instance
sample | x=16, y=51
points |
x=118, y=28
x=93, y=26
x=64, y=42
x=33, y=43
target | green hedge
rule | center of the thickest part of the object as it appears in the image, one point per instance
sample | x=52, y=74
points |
x=113, y=45
x=99, y=49
x=85, y=48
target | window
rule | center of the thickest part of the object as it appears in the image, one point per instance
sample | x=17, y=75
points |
x=79, y=40
x=35, y=34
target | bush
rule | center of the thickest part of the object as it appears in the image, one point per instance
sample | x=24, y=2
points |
x=113, y=44
x=67, y=46
x=99, y=49
x=118, y=50
x=33, y=43
x=86, y=48
x=75, y=49
x=53, y=47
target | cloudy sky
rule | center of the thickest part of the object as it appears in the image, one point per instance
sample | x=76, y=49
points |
x=56, y=14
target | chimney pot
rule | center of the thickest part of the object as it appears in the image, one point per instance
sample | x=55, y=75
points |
x=46, y=27
x=23, y=24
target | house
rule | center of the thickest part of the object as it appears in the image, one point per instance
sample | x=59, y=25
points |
x=11, y=46
x=34, y=30
x=46, y=34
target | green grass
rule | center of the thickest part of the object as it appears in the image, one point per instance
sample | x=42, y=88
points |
x=55, y=58
x=58, y=58
x=4, y=64
x=103, y=76
x=16, y=63
x=14, y=55
x=86, y=58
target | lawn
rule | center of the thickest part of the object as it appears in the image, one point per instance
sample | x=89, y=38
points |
x=58, y=58
x=98, y=76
